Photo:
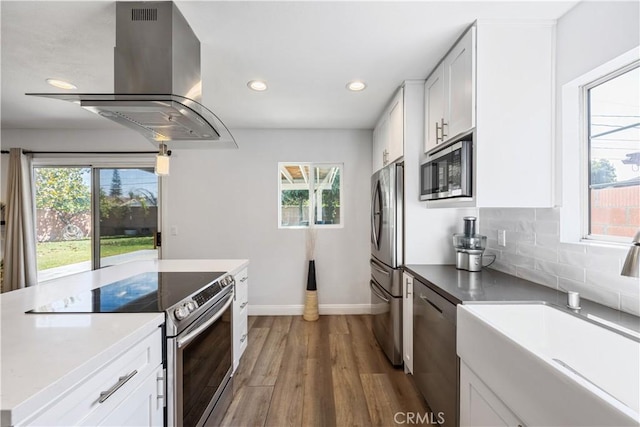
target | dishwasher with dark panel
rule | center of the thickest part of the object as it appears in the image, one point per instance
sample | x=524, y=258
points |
x=436, y=366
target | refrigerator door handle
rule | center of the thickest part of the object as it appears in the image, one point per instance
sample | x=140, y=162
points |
x=374, y=288
x=376, y=211
x=376, y=267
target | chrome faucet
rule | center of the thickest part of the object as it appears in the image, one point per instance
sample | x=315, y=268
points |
x=631, y=267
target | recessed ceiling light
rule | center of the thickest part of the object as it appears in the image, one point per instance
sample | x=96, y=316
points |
x=61, y=84
x=356, y=86
x=257, y=85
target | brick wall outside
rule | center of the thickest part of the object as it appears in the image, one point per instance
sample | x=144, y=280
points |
x=615, y=211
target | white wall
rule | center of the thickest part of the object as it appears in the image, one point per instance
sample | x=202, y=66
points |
x=224, y=204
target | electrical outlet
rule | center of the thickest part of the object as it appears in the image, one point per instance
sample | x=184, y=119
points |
x=502, y=237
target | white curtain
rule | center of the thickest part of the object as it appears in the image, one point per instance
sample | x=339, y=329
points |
x=20, y=241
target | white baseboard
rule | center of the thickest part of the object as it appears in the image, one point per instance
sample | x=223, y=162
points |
x=298, y=309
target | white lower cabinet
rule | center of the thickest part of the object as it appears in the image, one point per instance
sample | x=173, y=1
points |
x=479, y=406
x=240, y=315
x=143, y=407
x=128, y=391
x=407, y=322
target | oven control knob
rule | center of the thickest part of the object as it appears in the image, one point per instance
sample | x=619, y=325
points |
x=181, y=312
x=224, y=282
x=191, y=305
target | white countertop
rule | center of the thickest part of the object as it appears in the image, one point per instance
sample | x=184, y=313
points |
x=43, y=355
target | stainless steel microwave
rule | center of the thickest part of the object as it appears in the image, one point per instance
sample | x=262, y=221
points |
x=447, y=173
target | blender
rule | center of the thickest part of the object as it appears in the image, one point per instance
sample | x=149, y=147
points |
x=469, y=246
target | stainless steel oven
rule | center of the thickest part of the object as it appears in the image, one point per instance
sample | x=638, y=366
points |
x=199, y=366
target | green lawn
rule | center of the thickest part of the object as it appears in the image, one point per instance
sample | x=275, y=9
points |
x=56, y=254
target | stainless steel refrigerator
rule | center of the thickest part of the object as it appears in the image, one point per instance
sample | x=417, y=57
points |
x=387, y=258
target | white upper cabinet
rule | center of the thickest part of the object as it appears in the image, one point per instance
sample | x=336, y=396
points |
x=460, y=87
x=450, y=94
x=388, y=135
x=434, y=108
x=496, y=87
x=514, y=134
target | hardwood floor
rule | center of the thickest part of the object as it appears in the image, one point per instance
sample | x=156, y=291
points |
x=326, y=373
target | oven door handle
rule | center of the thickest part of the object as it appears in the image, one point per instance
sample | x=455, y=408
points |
x=181, y=342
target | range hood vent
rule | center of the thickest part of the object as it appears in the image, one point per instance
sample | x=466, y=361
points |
x=144, y=14
x=157, y=82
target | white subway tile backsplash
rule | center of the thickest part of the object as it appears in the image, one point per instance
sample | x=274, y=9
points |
x=525, y=226
x=547, y=240
x=617, y=283
x=538, y=276
x=518, y=260
x=505, y=267
x=534, y=252
x=561, y=270
x=630, y=304
x=546, y=254
x=607, y=250
x=521, y=237
x=508, y=213
x=547, y=227
x=526, y=249
x=547, y=214
x=572, y=258
x=603, y=264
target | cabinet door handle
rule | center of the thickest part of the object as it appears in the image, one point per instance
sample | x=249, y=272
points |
x=407, y=282
x=438, y=138
x=104, y=395
x=425, y=299
x=244, y=279
x=244, y=304
x=243, y=339
x=442, y=128
x=160, y=386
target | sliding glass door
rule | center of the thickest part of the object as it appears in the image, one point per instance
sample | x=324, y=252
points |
x=126, y=215
x=90, y=217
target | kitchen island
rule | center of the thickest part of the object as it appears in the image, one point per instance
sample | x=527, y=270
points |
x=45, y=355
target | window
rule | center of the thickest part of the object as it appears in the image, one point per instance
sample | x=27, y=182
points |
x=309, y=193
x=613, y=164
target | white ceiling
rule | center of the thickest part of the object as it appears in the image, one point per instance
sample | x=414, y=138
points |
x=306, y=50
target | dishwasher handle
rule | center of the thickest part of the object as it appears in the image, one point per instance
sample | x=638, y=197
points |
x=425, y=299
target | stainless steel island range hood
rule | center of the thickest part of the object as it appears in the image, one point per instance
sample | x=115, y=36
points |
x=157, y=82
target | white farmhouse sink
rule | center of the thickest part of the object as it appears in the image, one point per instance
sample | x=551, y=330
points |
x=552, y=368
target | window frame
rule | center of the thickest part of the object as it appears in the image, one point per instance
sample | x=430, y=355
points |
x=585, y=153
x=312, y=202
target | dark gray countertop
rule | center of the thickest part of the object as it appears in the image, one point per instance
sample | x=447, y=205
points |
x=461, y=287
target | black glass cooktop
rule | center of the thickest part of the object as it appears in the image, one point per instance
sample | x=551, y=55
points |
x=151, y=292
